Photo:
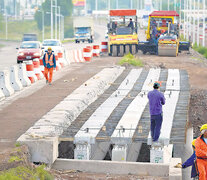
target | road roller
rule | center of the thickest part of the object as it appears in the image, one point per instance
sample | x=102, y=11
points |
x=122, y=32
x=162, y=35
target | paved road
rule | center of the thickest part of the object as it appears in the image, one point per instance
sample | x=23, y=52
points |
x=8, y=53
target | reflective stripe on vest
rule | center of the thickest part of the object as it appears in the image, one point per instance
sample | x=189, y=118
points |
x=50, y=61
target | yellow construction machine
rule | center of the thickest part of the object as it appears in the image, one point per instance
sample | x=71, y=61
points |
x=162, y=35
x=122, y=32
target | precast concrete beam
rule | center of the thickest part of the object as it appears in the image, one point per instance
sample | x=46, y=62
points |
x=47, y=130
x=88, y=132
x=122, y=135
x=171, y=96
x=14, y=80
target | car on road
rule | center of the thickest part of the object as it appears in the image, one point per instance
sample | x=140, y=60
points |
x=29, y=50
x=55, y=44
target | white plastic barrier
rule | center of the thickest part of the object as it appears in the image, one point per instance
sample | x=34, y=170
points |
x=14, y=80
x=5, y=83
x=1, y=95
x=22, y=74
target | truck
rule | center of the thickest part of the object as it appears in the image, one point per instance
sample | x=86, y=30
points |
x=83, y=29
x=29, y=37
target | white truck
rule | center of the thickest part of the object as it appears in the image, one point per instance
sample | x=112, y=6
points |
x=83, y=29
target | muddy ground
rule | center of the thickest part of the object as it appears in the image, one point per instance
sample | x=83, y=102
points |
x=192, y=62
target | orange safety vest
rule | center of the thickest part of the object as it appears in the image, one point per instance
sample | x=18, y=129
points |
x=50, y=61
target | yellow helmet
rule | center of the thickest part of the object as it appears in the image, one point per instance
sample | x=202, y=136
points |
x=49, y=48
x=203, y=127
x=193, y=142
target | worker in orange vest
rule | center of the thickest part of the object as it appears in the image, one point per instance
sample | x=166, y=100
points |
x=201, y=153
x=49, y=64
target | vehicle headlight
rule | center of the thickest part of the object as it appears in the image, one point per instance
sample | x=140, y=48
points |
x=21, y=54
x=36, y=54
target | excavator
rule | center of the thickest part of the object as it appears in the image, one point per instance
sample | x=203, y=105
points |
x=166, y=40
x=122, y=32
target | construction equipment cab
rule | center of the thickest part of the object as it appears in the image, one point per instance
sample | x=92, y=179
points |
x=122, y=31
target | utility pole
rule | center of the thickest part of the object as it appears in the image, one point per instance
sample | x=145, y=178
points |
x=6, y=23
x=204, y=17
x=96, y=5
x=55, y=19
x=168, y=5
x=184, y=23
x=198, y=21
x=63, y=28
x=51, y=19
x=43, y=26
x=160, y=5
x=194, y=29
x=59, y=23
x=180, y=13
x=187, y=27
x=109, y=4
x=117, y=4
x=175, y=5
x=190, y=22
x=85, y=7
x=131, y=4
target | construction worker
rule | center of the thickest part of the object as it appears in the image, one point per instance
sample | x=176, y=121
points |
x=49, y=64
x=201, y=153
x=191, y=162
x=155, y=37
x=156, y=100
x=131, y=25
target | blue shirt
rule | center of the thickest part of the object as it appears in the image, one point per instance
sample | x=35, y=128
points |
x=156, y=100
x=48, y=65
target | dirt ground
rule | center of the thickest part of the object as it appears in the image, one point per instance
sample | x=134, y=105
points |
x=27, y=110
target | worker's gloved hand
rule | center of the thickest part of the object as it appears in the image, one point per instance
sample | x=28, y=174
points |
x=183, y=166
x=179, y=165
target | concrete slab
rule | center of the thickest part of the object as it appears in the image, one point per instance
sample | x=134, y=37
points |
x=113, y=167
x=43, y=150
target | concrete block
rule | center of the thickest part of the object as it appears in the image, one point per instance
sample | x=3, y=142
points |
x=41, y=149
x=14, y=79
x=2, y=96
x=159, y=154
x=175, y=173
x=113, y=167
x=5, y=83
x=22, y=74
x=119, y=153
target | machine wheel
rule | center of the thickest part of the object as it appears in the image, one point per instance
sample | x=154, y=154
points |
x=114, y=50
x=127, y=49
x=121, y=50
x=134, y=49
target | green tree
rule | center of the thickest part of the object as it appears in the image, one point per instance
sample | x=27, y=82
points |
x=66, y=8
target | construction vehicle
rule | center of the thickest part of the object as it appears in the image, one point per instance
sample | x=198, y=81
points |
x=122, y=34
x=83, y=29
x=167, y=41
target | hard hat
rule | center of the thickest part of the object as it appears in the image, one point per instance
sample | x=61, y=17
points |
x=49, y=48
x=193, y=142
x=204, y=127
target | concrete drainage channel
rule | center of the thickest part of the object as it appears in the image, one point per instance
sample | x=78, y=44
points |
x=107, y=118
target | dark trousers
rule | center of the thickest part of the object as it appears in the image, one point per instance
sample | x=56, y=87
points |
x=156, y=123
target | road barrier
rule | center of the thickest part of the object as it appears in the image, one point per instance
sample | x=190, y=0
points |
x=42, y=68
x=104, y=47
x=2, y=96
x=96, y=50
x=87, y=54
x=22, y=74
x=58, y=66
x=30, y=71
x=14, y=79
x=37, y=69
x=5, y=83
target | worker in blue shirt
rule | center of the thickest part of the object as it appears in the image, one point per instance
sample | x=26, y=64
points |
x=191, y=162
x=156, y=101
x=155, y=37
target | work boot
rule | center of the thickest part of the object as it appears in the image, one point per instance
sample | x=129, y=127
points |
x=46, y=81
x=50, y=83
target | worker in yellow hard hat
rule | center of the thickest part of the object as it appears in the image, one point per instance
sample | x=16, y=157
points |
x=201, y=153
x=191, y=162
x=49, y=64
